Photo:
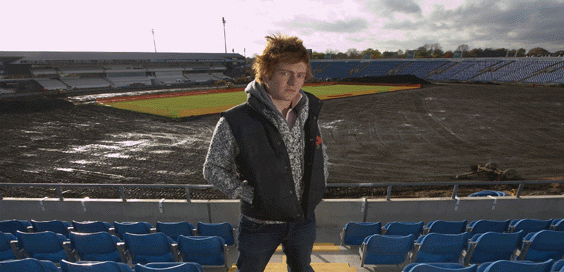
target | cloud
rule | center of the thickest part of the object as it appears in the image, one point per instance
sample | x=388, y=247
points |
x=352, y=25
x=386, y=7
x=406, y=6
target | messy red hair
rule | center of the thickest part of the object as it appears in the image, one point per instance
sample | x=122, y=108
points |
x=280, y=49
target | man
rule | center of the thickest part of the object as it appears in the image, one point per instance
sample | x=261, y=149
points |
x=269, y=153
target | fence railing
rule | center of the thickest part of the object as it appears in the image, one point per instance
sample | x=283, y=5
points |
x=188, y=187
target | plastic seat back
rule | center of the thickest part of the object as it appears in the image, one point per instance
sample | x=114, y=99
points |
x=56, y=226
x=131, y=227
x=545, y=245
x=386, y=249
x=224, y=230
x=441, y=248
x=205, y=250
x=12, y=226
x=504, y=266
x=410, y=266
x=45, y=245
x=487, y=193
x=107, y=266
x=175, y=229
x=432, y=268
x=152, y=247
x=28, y=264
x=354, y=233
x=91, y=226
x=447, y=227
x=99, y=246
x=169, y=267
x=404, y=228
x=531, y=225
x=483, y=226
x=492, y=246
x=8, y=250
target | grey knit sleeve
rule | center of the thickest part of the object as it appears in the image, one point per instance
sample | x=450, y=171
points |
x=220, y=168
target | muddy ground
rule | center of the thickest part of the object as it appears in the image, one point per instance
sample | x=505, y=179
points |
x=424, y=135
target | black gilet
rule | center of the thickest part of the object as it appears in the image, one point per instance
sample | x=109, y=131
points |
x=264, y=162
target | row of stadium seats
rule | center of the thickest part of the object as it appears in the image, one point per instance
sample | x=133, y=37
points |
x=496, y=266
x=473, y=70
x=35, y=265
x=133, y=242
x=456, y=241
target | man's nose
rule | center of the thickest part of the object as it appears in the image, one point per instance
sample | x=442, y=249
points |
x=291, y=80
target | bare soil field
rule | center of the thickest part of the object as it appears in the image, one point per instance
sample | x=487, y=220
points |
x=422, y=135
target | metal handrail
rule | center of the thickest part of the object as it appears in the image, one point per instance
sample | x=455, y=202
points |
x=188, y=187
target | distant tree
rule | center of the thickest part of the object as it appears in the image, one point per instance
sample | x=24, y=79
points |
x=448, y=54
x=521, y=52
x=463, y=48
x=474, y=52
x=400, y=53
x=353, y=53
x=389, y=55
x=537, y=52
x=374, y=54
x=317, y=55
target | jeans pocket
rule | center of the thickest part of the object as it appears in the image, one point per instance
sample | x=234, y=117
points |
x=250, y=226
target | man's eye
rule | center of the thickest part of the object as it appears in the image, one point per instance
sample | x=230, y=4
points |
x=301, y=75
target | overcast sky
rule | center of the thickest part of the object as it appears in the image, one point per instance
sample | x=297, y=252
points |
x=196, y=25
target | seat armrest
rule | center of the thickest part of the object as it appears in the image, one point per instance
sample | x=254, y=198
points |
x=175, y=254
x=416, y=247
x=68, y=251
x=467, y=254
x=112, y=231
x=343, y=232
x=122, y=251
x=29, y=228
x=426, y=230
x=153, y=230
x=523, y=253
x=14, y=247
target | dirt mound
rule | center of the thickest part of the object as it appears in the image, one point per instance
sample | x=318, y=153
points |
x=393, y=79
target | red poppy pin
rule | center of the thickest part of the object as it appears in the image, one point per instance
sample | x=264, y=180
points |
x=318, y=141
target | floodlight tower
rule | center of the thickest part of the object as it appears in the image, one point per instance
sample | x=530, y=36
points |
x=224, y=37
x=154, y=42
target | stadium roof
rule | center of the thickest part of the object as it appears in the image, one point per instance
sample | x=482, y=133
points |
x=23, y=57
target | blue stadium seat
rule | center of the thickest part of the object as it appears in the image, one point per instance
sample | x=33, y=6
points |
x=487, y=193
x=439, y=248
x=492, y=246
x=175, y=229
x=354, y=233
x=385, y=249
x=543, y=245
x=505, y=266
x=8, y=247
x=12, y=226
x=483, y=226
x=529, y=225
x=558, y=266
x=205, y=250
x=152, y=247
x=446, y=227
x=98, y=246
x=403, y=228
x=107, y=266
x=410, y=266
x=169, y=267
x=92, y=226
x=224, y=230
x=132, y=227
x=56, y=226
x=424, y=267
x=45, y=245
x=29, y=264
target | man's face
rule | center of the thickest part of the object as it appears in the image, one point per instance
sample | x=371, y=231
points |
x=286, y=81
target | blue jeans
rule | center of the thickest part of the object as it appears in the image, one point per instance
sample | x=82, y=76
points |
x=257, y=242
